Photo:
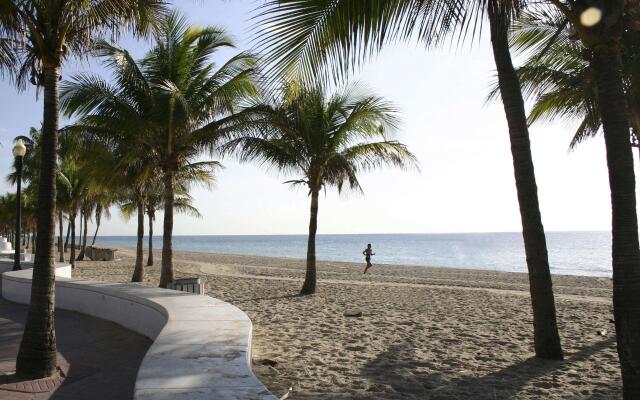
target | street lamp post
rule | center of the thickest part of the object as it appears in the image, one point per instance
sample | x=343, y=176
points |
x=19, y=150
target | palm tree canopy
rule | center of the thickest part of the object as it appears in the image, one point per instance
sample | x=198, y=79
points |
x=172, y=105
x=39, y=33
x=304, y=39
x=558, y=77
x=327, y=140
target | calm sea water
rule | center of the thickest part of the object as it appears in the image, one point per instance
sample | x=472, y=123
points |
x=572, y=253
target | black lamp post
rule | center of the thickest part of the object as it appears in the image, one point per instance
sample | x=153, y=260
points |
x=19, y=150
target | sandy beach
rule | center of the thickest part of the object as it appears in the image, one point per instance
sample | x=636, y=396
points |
x=425, y=333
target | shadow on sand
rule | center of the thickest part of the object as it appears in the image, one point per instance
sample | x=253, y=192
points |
x=391, y=372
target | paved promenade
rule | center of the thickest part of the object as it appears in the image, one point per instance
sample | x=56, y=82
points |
x=103, y=357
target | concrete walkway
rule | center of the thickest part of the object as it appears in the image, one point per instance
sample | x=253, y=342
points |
x=103, y=357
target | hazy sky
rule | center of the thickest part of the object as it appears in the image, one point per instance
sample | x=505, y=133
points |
x=466, y=183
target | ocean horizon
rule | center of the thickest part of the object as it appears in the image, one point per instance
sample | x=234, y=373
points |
x=585, y=253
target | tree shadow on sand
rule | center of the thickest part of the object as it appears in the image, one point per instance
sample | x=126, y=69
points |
x=398, y=374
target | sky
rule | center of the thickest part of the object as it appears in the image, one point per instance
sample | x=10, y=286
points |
x=465, y=183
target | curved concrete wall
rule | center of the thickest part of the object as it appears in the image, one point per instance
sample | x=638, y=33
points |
x=201, y=346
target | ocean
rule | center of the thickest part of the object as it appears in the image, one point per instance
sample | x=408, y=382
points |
x=570, y=253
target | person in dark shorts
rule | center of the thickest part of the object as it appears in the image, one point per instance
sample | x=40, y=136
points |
x=368, y=252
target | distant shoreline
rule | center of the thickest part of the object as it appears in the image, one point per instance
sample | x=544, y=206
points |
x=157, y=253
x=355, y=234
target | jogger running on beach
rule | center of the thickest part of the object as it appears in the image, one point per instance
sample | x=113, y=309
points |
x=368, y=252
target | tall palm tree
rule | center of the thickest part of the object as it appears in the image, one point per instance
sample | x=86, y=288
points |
x=40, y=35
x=198, y=103
x=311, y=38
x=175, y=100
x=584, y=64
x=327, y=140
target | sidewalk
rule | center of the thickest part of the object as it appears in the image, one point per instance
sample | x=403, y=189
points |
x=103, y=357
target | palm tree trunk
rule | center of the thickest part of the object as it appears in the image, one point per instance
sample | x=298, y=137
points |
x=152, y=216
x=61, y=231
x=37, y=354
x=309, y=286
x=72, y=255
x=546, y=337
x=138, y=271
x=166, y=274
x=28, y=239
x=624, y=232
x=80, y=225
x=66, y=240
x=84, y=235
x=98, y=220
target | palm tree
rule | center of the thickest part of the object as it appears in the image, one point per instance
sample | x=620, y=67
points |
x=182, y=104
x=63, y=204
x=103, y=203
x=183, y=203
x=327, y=140
x=8, y=215
x=150, y=201
x=558, y=77
x=198, y=103
x=591, y=73
x=311, y=38
x=78, y=180
x=39, y=35
x=30, y=174
x=133, y=202
x=86, y=209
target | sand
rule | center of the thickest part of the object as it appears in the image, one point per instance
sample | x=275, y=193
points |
x=425, y=333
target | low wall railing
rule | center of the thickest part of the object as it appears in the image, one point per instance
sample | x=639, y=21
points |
x=201, y=345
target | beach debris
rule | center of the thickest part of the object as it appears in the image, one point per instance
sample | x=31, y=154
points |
x=271, y=362
x=353, y=313
x=286, y=395
x=602, y=332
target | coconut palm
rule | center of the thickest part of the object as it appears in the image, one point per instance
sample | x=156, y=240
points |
x=198, y=104
x=326, y=140
x=63, y=205
x=308, y=39
x=569, y=73
x=30, y=174
x=38, y=36
x=183, y=203
x=103, y=203
x=176, y=102
x=558, y=77
x=78, y=181
x=152, y=201
x=133, y=201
